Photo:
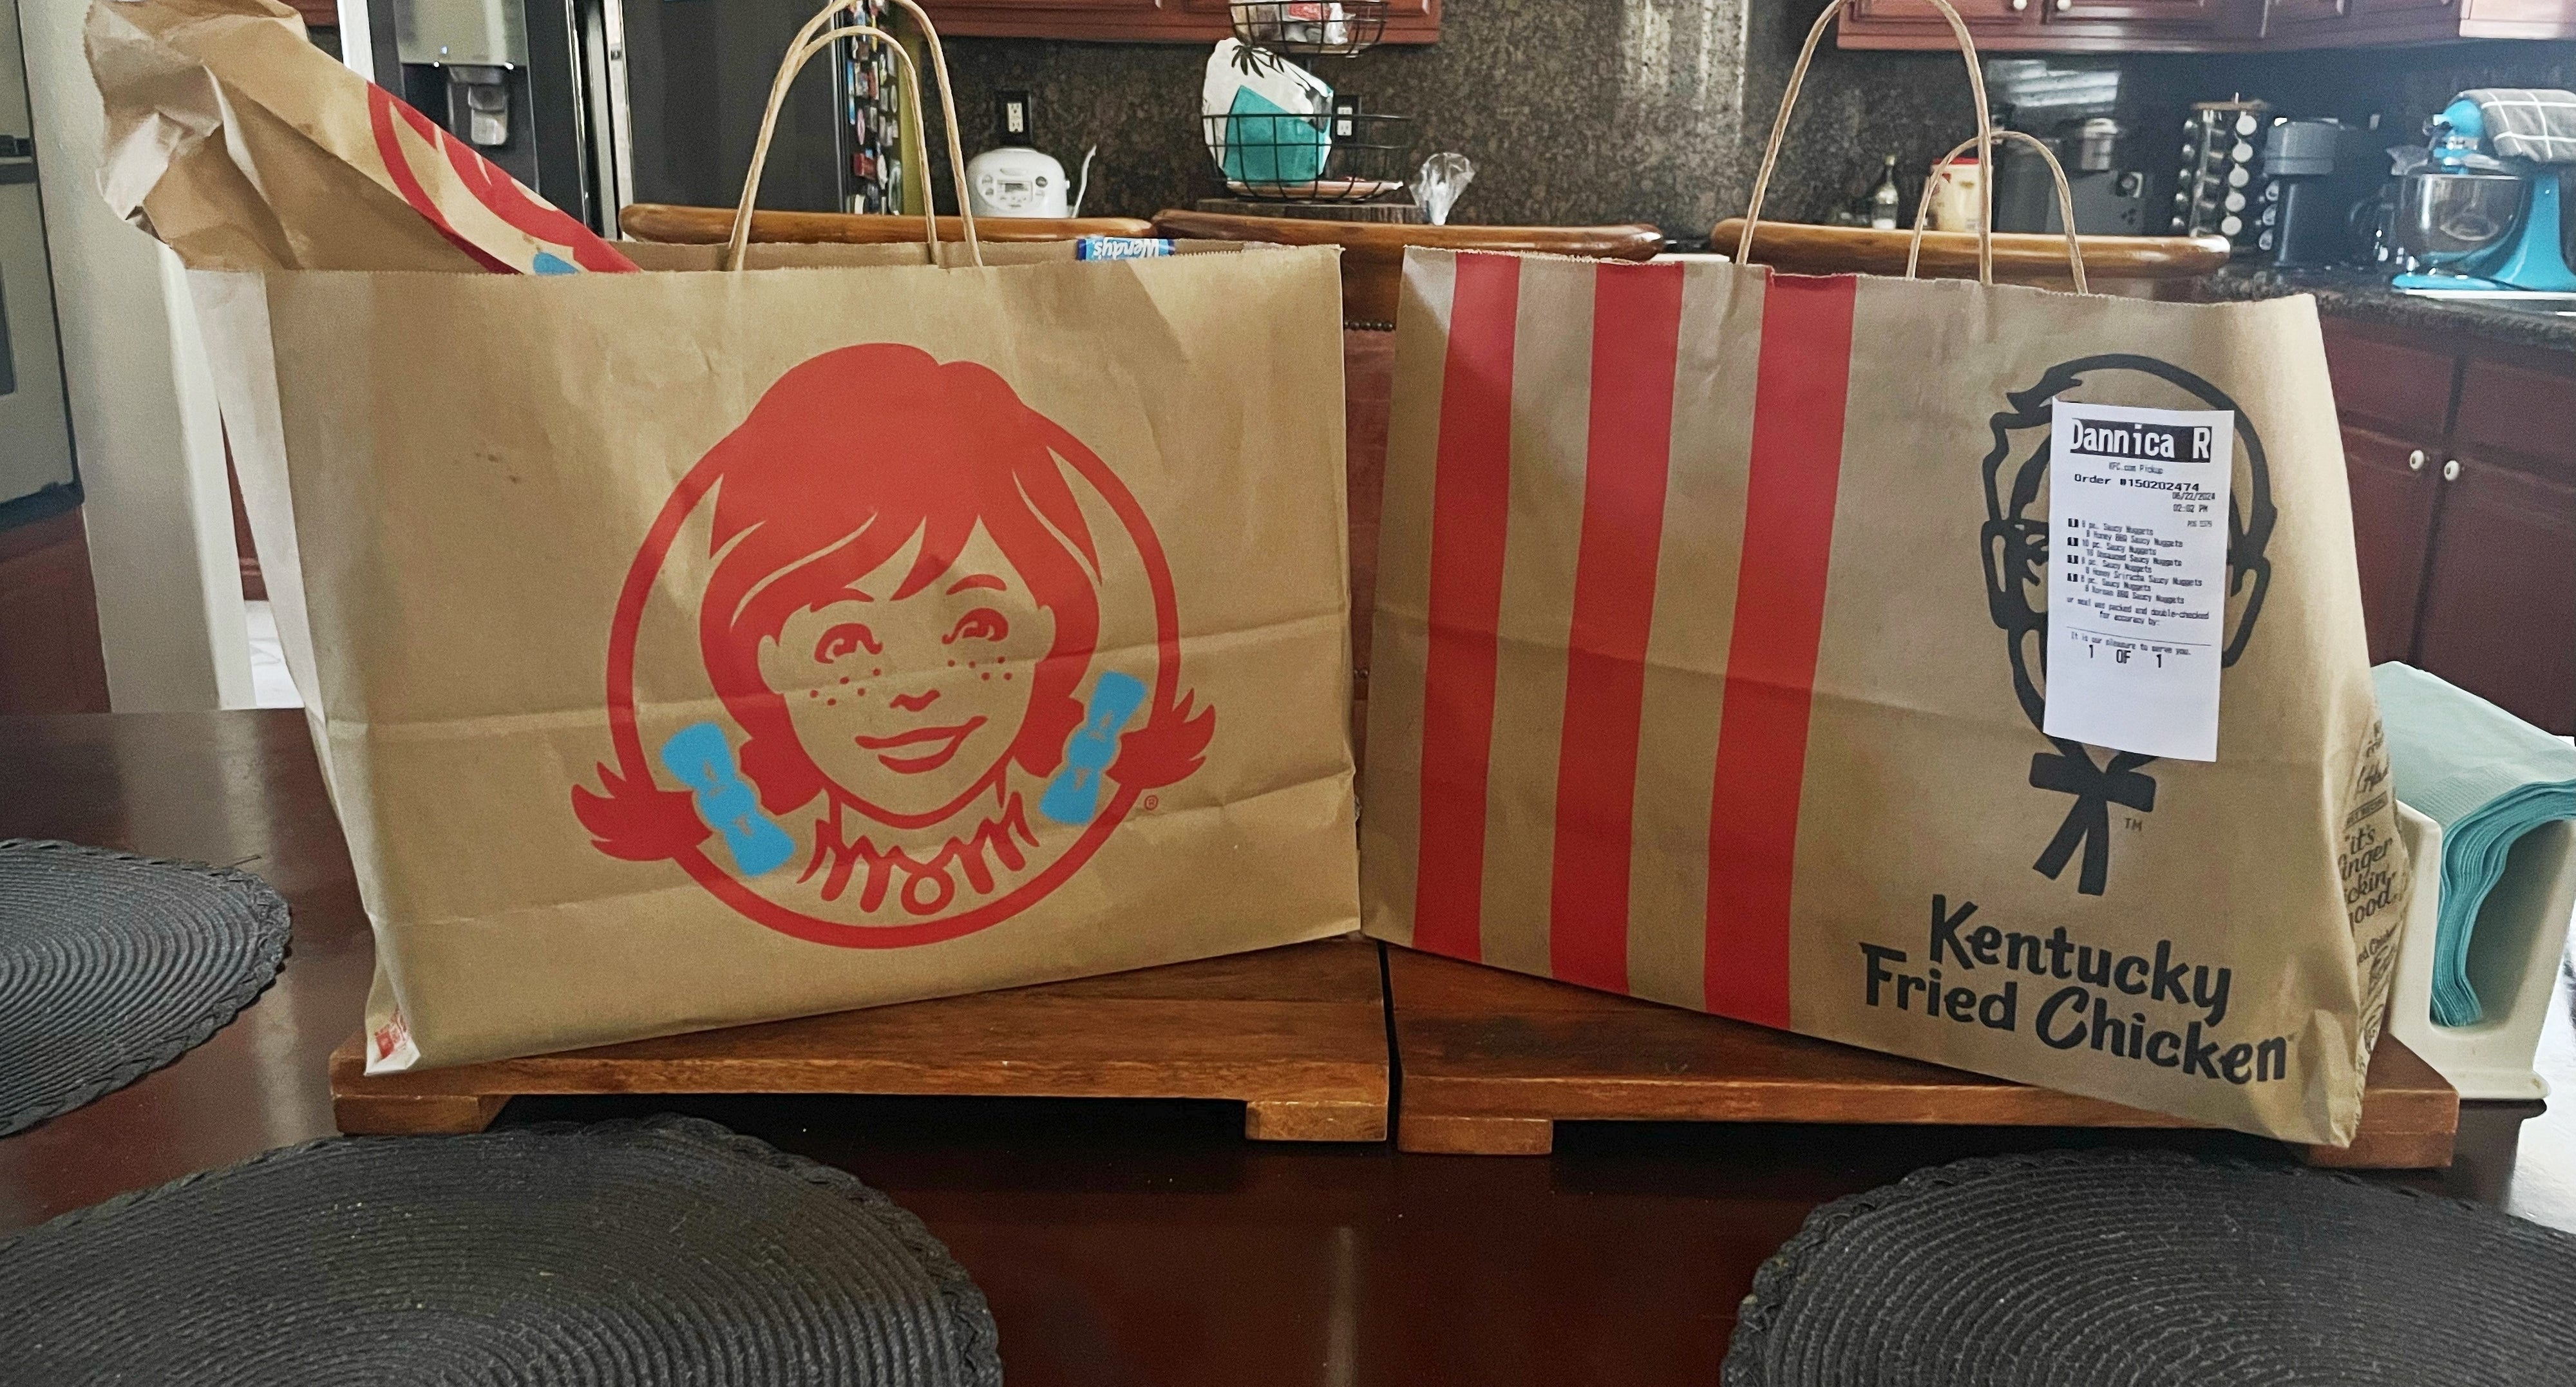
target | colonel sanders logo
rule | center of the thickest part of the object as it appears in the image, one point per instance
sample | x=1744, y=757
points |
x=2015, y=543
x=912, y=730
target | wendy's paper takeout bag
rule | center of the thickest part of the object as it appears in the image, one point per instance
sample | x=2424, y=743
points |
x=688, y=646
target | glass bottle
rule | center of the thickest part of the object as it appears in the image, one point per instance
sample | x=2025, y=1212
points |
x=1884, y=200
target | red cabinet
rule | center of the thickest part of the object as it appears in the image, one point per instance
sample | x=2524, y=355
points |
x=2462, y=460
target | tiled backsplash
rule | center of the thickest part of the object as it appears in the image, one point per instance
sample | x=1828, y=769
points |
x=1588, y=111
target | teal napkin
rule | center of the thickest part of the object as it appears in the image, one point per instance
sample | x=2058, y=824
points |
x=1267, y=143
x=2487, y=777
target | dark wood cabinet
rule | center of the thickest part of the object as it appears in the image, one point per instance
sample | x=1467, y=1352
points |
x=2203, y=26
x=2396, y=386
x=1975, y=12
x=2462, y=461
x=1918, y=16
x=2523, y=412
x=2191, y=15
x=2055, y=26
x=2395, y=484
x=2499, y=608
x=2334, y=23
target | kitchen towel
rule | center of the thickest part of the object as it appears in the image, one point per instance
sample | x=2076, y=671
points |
x=2538, y=124
x=2487, y=777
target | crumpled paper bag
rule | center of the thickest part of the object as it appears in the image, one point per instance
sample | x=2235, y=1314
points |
x=241, y=146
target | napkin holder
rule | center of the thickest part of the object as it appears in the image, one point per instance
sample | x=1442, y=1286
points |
x=2513, y=960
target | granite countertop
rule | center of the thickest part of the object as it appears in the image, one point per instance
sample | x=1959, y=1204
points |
x=2366, y=297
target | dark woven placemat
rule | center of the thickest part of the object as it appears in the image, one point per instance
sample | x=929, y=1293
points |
x=113, y=965
x=666, y=1251
x=2141, y=1268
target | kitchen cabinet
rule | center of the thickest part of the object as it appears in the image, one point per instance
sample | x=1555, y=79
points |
x=2499, y=613
x=2395, y=485
x=2462, y=462
x=2059, y=26
x=2190, y=16
x=1919, y=18
x=2360, y=23
x=1139, y=21
x=2202, y=26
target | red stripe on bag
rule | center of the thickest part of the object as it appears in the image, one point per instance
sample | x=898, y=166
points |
x=1636, y=336
x=1771, y=658
x=1470, y=498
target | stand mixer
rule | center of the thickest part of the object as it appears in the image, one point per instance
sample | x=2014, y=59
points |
x=2482, y=209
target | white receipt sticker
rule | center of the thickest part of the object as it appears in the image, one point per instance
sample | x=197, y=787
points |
x=2137, y=576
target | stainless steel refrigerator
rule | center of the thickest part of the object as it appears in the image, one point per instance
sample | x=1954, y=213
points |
x=599, y=103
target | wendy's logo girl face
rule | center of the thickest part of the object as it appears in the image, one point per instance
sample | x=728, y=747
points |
x=908, y=695
x=905, y=576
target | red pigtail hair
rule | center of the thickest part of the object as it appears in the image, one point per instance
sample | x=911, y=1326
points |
x=634, y=821
x=1171, y=744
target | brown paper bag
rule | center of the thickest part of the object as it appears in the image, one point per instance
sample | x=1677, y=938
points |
x=1711, y=613
x=244, y=147
x=687, y=648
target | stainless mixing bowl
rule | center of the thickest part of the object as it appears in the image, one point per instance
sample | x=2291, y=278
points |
x=2444, y=215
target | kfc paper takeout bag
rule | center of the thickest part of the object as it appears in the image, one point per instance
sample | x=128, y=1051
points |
x=1711, y=665
x=692, y=647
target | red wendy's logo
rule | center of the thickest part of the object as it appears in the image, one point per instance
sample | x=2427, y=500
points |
x=548, y=227
x=897, y=582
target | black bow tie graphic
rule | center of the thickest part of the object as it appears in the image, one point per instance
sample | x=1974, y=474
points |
x=2070, y=771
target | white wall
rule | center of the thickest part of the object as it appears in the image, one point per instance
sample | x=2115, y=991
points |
x=159, y=512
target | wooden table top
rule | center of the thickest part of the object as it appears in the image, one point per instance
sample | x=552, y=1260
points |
x=1119, y=1242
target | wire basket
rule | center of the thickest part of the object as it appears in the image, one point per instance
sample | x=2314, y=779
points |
x=1334, y=27
x=1344, y=156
